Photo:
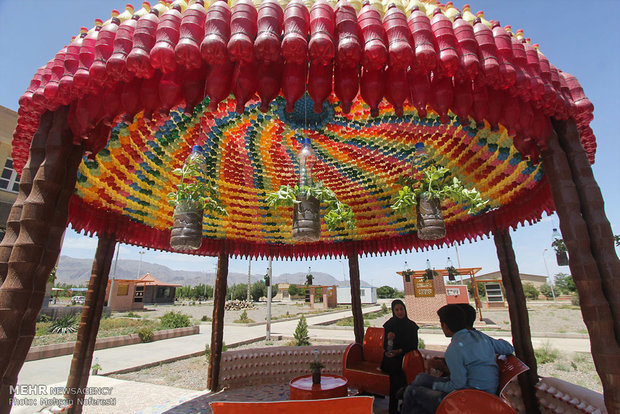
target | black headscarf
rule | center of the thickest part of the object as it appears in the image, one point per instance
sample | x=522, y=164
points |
x=405, y=329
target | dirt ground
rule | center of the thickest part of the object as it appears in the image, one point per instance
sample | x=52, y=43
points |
x=545, y=317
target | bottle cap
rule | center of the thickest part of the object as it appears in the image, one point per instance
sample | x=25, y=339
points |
x=305, y=140
x=196, y=148
x=419, y=145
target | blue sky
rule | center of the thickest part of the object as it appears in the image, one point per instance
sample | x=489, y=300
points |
x=579, y=38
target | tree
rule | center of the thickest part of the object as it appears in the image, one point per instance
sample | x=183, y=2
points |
x=301, y=333
x=386, y=292
x=293, y=290
x=546, y=290
x=481, y=291
x=240, y=291
x=530, y=291
x=309, y=279
x=564, y=284
x=258, y=290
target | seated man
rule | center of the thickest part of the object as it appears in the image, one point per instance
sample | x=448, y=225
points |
x=470, y=358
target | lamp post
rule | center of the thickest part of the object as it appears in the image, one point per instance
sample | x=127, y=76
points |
x=268, y=325
x=140, y=264
x=548, y=275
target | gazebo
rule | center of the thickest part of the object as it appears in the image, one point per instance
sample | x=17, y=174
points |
x=104, y=123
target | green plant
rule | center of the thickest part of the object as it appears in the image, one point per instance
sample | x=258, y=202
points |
x=530, y=291
x=546, y=354
x=559, y=246
x=52, y=277
x=437, y=183
x=384, y=309
x=316, y=365
x=421, y=344
x=300, y=336
x=193, y=188
x=430, y=274
x=172, y=320
x=205, y=318
x=44, y=318
x=545, y=289
x=207, y=351
x=339, y=215
x=65, y=324
x=145, y=334
x=96, y=367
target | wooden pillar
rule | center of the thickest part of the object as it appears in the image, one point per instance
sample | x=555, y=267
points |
x=593, y=211
x=28, y=253
x=519, y=318
x=595, y=308
x=37, y=154
x=356, y=298
x=89, y=324
x=217, y=326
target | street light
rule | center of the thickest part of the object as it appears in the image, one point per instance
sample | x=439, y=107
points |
x=548, y=275
x=140, y=264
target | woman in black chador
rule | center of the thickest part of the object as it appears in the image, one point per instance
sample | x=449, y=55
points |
x=400, y=336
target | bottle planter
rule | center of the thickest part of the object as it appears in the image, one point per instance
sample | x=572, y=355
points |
x=429, y=218
x=186, y=232
x=306, y=220
x=561, y=258
x=316, y=376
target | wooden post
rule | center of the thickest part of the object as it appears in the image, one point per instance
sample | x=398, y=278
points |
x=593, y=211
x=28, y=254
x=217, y=326
x=519, y=318
x=595, y=307
x=37, y=154
x=474, y=290
x=356, y=298
x=89, y=324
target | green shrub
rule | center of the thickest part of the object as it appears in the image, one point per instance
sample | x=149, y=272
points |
x=145, y=334
x=300, y=336
x=131, y=315
x=244, y=316
x=530, y=291
x=207, y=351
x=546, y=354
x=575, y=300
x=421, y=344
x=44, y=318
x=172, y=320
x=384, y=309
x=205, y=318
x=65, y=324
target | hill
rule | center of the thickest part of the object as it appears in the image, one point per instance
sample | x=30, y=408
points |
x=77, y=272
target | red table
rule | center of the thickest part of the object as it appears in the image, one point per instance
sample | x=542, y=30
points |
x=331, y=386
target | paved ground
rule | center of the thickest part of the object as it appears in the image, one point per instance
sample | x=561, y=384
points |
x=53, y=372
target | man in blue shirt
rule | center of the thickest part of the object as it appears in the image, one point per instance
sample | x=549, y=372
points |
x=470, y=358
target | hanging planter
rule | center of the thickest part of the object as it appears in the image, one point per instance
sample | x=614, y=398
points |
x=452, y=272
x=429, y=218
x=306, y=203
x=193, y=196
x=427, y=194
x=561, y=255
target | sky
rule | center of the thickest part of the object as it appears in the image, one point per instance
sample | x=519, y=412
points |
x=578, y=37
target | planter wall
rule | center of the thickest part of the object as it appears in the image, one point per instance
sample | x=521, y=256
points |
x=186, y=232
x=430, y=220
x=306, y=220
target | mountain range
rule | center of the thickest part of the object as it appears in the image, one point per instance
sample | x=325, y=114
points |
x=77, y=272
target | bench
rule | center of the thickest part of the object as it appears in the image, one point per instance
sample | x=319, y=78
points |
x=345, y=405
x=361, y=364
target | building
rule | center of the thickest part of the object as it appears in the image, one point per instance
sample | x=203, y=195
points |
x=133, y=294
x=368, y=295
x=9, y=182
x=156, y=291
x=536, y=280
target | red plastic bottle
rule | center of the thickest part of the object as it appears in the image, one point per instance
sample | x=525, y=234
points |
x=372, y=88
x=219, y=81
x=296, y=27
x=523, y=83
x=193, y=87
x=320, y=80
x=480, y=103
x=463, y=99
x=25, y=101
x=442, y=96
x=396, y=88
x=533, y=67
x=269, y=23
x=111, y=102
x=467, y=45
x=322, y=46
x=244, y=83
x=217, y=33
x=423, y=41
x=72, y=61
x=294, y=83
x=346, y=86
x=511, y=113
x=526, y=119
x=169, y=91
x=269, y=77
x=166, y=38
x=446, y=43
x=489, y=60
x=86, y=59
x=149, y=95
x=38, y=97
x=116, y=65
x=496, y=103
x=419, y=90
x=243, y=32
x=349, y=49
x=507, y=70
x=583, y=104
x=130, y=98
x=375, y=54
x=399, y=40
x=50, y=90
x=191, y=34
x=139, y=59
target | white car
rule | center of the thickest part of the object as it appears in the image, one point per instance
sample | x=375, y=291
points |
x=78, y=300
